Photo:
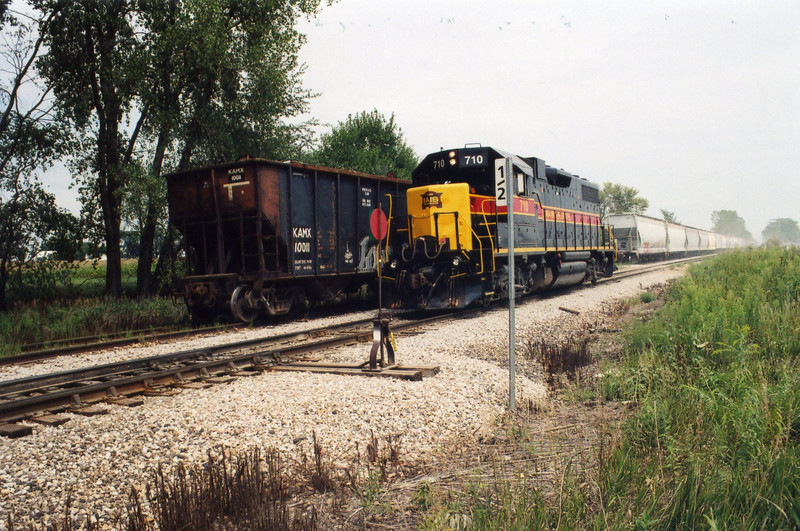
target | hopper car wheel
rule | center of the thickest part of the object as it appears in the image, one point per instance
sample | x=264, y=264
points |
x=241, y=307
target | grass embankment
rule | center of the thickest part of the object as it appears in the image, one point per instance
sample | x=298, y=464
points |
x=68, y=303
x=713, y=440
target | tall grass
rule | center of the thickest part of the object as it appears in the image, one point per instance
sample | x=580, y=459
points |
x=714, y=439
x=50, y=301
x=715, y=442
x=44, y=322
x=50, y=281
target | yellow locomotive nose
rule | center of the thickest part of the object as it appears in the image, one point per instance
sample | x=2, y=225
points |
x=441, y=212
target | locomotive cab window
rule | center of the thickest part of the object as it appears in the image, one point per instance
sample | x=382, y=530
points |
x=521, y=182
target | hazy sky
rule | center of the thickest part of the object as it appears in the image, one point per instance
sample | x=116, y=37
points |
x=695, y=104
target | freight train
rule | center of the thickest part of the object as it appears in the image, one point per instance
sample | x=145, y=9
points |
x=261, y=237
x=642, y=238
x=454, y=248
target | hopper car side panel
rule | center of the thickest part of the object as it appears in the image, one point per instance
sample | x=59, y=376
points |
x=676, y=239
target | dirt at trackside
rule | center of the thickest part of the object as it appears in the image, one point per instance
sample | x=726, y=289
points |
x=571, y=429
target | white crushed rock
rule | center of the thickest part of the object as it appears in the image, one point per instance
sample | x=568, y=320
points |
x=98, y=459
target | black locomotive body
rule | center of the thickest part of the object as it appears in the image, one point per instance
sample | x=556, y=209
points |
x=455, y=249
x=264, y=236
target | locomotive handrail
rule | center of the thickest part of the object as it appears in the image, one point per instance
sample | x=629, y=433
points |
x=480, y=250
x=544, y=216
x=488, y=232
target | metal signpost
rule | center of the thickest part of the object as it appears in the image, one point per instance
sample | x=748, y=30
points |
x=505, y=186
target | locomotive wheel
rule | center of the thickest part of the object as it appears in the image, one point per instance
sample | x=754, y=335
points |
x=240, y=305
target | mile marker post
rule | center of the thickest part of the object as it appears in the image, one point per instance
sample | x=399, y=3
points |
x=504, y=192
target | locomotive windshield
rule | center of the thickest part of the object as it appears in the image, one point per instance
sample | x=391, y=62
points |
x=473, y=166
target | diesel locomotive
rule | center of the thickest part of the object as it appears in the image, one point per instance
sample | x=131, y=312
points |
x=262, y=237
x=454, y=249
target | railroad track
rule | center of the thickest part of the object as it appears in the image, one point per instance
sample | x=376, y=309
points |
x=653, y=267
x=78, y=345
x=43, y=398
x=91, y=344
x=35, y=352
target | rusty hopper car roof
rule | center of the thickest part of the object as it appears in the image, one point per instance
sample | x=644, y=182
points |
x=293, y=164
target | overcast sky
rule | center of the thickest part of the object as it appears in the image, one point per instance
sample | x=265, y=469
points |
x=695, y=104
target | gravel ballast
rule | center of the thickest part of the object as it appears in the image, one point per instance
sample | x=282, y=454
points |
x=96, y=460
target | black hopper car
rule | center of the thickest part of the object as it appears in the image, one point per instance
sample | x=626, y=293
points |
x=454, y=249
x=262, y=237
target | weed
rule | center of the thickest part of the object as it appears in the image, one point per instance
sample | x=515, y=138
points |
x=229, y=491
x=565, y=358
x=423, y=498
x=322, y=477
x=713, y=442
x=646, y=297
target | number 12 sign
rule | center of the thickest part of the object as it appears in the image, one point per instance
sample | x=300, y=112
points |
x=500, y=182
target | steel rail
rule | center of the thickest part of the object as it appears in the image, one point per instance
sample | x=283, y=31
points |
x=45, y=380
x=37, y=355
x=59, y=391
x=81, y=386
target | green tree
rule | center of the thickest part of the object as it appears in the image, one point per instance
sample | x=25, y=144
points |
x=65, y=236
x=783, y=231
x=159, y=84
x=220, y=79
x=728, y=222
x=367, y=142
x=669, y=216
x=617, y=198
x=93, y=63
x=29, y=141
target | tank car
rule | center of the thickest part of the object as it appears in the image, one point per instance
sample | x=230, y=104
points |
x=262, y=237
x=455, y=244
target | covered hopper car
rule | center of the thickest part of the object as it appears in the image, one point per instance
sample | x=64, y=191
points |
x=455, y=248
x=262, y=237
x=642, y=238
